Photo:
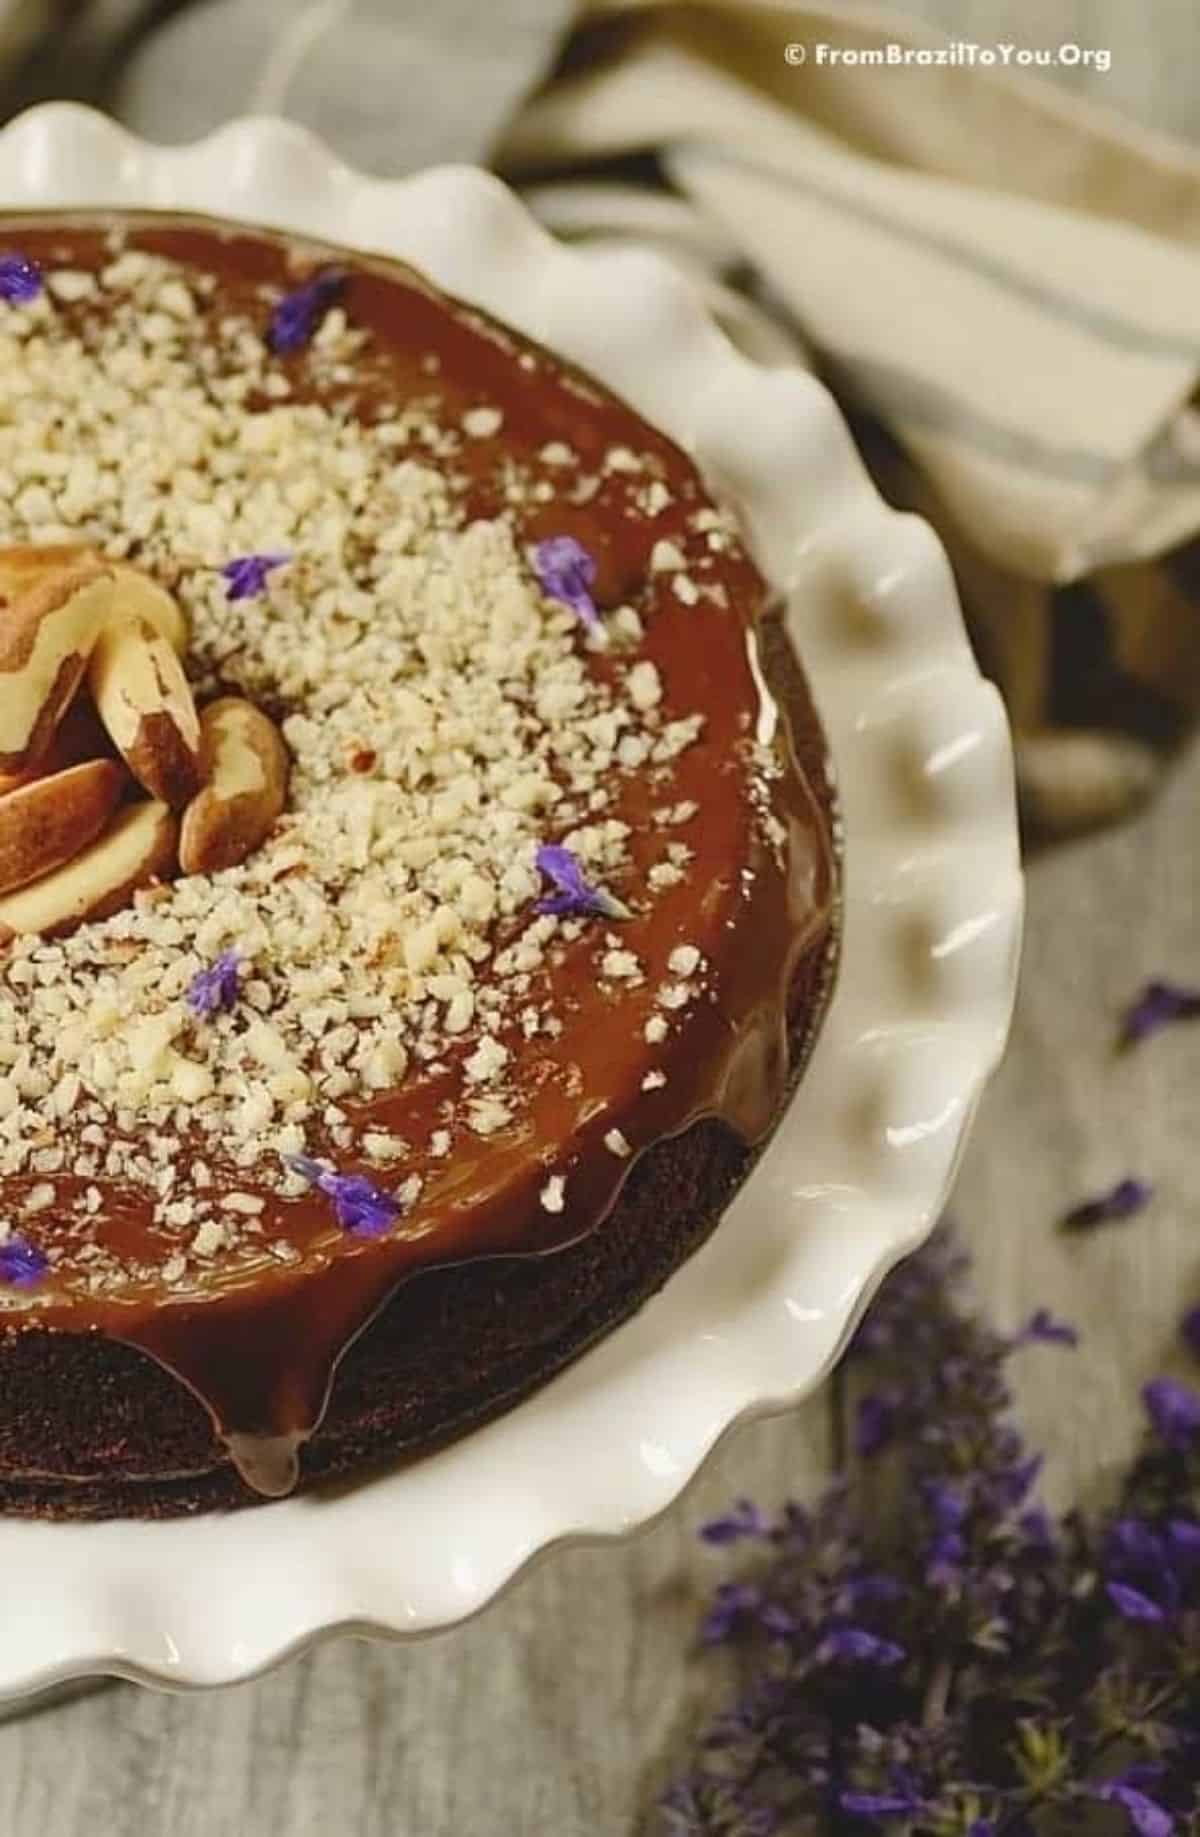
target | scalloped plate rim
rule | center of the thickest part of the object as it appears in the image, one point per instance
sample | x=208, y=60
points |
x=820, y=575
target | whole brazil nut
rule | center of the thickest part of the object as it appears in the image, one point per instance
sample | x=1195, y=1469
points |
x=144, y=700
x=246, y=769
x=51, y=820
x=137, y=847
x=47, y=636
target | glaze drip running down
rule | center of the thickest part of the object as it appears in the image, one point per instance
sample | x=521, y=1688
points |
x=357, y=524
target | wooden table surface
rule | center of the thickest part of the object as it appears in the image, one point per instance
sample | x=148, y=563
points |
x=563, y=1708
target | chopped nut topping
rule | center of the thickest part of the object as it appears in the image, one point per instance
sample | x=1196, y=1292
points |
x=553, y=1194
x=445, y=721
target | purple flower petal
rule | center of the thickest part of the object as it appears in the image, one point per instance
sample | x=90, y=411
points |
x=216, y=989
x=880, y=1804
x=20, y=279
x=22, y=1264
x=1174, y=1411
x=1158, y=1005
x=1038, y=1531
x=300, y=312
x=246, y=575
x=743, y=1520
x=874, y=1425
x=732, y=1603
x=575, y=896
x=1133, y=1547
x=1183, y=1544
x=566, y=572
x=854, y=1645
x=778, y=1621
x=1010, y=1485
x=1148, y=1818
x=359, y=1206
x=947, y=1507
x=1042, y=1327
x=868, y=1586
x=1123, y=1200
x=1131, y=1603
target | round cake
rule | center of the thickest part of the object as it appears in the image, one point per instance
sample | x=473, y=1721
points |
x=417, y=887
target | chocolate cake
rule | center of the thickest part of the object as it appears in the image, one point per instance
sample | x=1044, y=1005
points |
x=417, y=894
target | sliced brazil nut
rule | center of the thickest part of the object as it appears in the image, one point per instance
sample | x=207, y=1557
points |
x=144, y=700
x=246, y=768
x=138, y=596
x=137, y=847
x=53, y=819
x=47, y=636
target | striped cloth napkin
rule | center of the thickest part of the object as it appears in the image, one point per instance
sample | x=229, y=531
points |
x=1003, y=287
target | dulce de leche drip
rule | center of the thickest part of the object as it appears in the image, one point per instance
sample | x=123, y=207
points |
x=409, y=998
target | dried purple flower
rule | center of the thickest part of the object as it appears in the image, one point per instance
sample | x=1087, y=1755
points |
x=742, y=1520
x=567, y=572
x=246, y=575
x=732, y=1603
x=868, y=1587
x=1126, y=1198
x=1042, y=1327
x=216, y=989
x=575, y=896
x=881, y=1804
x=1183, y=1544
x=22, y=1264
x=1133, y=1547
x=1131, y=1603
x=20, y=279
x=874, y=1424
x=300, y=312
x=1148, y=1818
x=1174, y=1411
x=1158, y=1005
x=856, y=1646
x=359, y=1206
x=1035, y=1527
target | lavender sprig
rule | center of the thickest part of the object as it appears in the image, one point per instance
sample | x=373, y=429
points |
x=247, y=575
x=22, y=1264
x=300, y=312
x=217, y=988
x=1124, y=1200
x=20, y=279
x=574, y=895
x=567, y=572
x=967, y=1662
x=360, y=1207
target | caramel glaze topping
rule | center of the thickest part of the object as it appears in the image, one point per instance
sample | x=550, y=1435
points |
x=259, y=1344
